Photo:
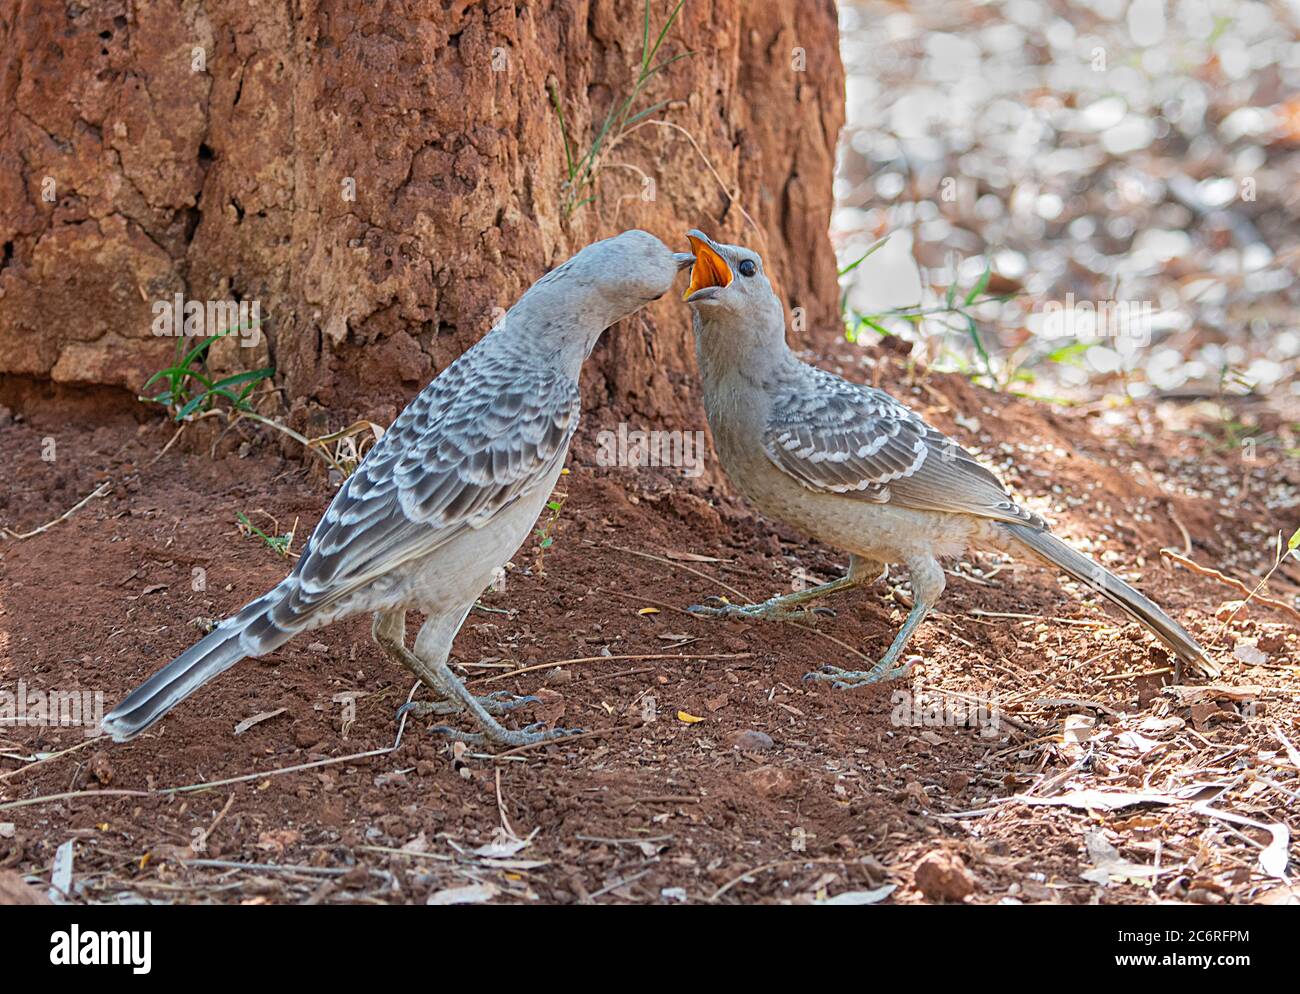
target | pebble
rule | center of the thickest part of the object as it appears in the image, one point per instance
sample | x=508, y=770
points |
x=769, y=781
x=942, y=876
x=750, y=740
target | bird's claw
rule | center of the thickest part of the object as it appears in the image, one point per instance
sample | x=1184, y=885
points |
x=771, y=610
x=529, y=735
x=842, y=679
x=501, y=701
x=497, y=702
x=713, y=607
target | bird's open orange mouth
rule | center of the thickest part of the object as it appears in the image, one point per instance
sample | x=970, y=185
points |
x=710, y=269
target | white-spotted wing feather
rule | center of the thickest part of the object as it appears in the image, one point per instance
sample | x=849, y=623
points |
x=839, y=437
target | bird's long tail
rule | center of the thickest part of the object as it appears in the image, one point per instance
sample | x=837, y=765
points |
x=211, y=656
x=1052, y=551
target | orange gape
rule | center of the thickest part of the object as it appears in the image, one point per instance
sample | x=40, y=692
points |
x=710, y=269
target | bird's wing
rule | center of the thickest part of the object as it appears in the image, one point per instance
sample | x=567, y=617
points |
x=480, y=436
x=838, y=437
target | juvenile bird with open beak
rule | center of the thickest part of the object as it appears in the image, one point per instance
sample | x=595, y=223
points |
x=856, y=469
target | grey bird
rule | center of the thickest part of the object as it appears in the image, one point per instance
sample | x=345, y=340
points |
x=444, y=498
x=856, y=469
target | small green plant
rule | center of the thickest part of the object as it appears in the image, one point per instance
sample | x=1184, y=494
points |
x=1233, y=432
x=844, y=296
x=546, y=527
x=579, y=185
x=188, y=390
x=1280, y=553
x=277, y=543
x=854, y=323
x=189, y=394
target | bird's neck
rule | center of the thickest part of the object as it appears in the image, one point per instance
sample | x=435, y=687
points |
x=557, y=331
x=738, y=365
x=729, y=349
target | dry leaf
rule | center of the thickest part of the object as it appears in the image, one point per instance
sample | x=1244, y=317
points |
x=248, y=723
x=1138, y=743
x=1102, y=800
x=1158, y=726
x=1292, y=753
x=504, y=845
x=850, y=897
x=1109, y=866
x=419, y=844
x=1246, y=651
x=1288, y=894
x=1213, y=691
x=61, y=874
x=1273, y=858
x=1078, y=727
x=690, y=719
x=473, y=894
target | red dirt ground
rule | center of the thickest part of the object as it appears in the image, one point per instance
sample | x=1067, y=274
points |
x=668, y=809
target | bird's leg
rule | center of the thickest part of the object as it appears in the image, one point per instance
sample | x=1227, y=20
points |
x=429, y=662
x=389, y=631
x=493, y=731
x=886, y=669
x=793, y=606
x=783, y=608
x=927, y=586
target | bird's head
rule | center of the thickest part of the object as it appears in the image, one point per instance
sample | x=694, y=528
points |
x=640, y=267
x=613, y=278
x=730, y=293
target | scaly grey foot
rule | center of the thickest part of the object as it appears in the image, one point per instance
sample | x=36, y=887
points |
x=887, y=669
x=497, y=702
x=770, y=610
x=842, y=679
x=506, y=736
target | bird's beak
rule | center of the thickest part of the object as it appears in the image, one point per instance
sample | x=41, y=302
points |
x=710, y=274
x=683, y=259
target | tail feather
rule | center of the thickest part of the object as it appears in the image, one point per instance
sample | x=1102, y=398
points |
x=189, y=671
x=1054, y=552
x=211, y=656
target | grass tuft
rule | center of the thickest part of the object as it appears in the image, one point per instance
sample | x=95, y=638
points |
x=189, y=390
x=579, y=187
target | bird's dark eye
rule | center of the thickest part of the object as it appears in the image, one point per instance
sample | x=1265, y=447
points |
x=747, y=267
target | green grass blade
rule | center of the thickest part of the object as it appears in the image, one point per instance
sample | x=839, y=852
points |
x=244, y=377
x=974, y=330
x=564, y=133
x=642, y=114
x=645, y=38
x=864, y=256
x=191, y=407
x=664, y=33
x=170, y=372
x=980, y=284
x=668, y=62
